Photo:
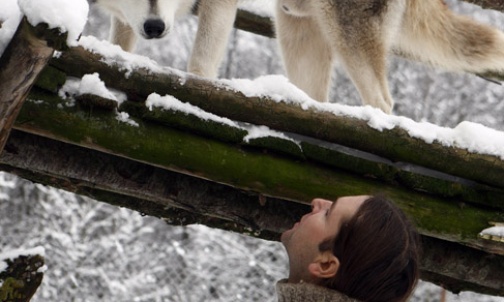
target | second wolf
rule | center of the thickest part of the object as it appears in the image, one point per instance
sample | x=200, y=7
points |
x=362, y=33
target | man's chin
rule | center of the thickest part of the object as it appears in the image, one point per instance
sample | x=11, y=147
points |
x=285, y=236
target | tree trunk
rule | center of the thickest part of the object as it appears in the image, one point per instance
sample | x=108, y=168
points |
x=22, y=61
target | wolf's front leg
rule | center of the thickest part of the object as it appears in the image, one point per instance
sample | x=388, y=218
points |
x=122, y=34
x=216, y=18
x=306, y=53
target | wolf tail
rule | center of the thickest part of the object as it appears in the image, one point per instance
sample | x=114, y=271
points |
x=432, y=34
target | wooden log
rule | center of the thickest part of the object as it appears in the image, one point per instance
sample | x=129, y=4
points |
x=255, y=24
x=247, y=168
x=182, y=199
x=395, y=145
x=24, y=58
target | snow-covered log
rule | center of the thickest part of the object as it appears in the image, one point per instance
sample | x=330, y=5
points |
x=395, y=145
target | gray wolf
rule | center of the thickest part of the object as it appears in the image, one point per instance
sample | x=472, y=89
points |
x=153, y=19
x=360, y=34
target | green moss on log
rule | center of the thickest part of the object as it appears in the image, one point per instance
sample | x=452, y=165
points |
x=51, y=79
x=247, y=169
x=278, y=145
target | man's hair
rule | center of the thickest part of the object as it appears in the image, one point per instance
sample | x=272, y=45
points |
x=378, y=250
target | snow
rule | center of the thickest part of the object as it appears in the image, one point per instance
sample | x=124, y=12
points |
x=276, y=87
x=125, y=118
x=67, y=15
x=471, y=136
x=263, y=131
x=10, y=15
x=13, y=254
x=92, y=84
x=495, y=232
x=169, y=102
x=114, y=55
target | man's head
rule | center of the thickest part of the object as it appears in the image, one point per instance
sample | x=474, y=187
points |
x=363, y=246
x=302, y=242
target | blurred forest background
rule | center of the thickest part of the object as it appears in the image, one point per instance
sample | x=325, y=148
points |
x=97, y=252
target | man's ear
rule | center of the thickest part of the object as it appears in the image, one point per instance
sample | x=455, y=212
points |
x=325, y=265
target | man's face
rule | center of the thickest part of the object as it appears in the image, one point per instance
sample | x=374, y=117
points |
x=323, y=222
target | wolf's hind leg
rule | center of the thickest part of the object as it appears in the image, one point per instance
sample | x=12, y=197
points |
x=306, y=54
x=367, y=70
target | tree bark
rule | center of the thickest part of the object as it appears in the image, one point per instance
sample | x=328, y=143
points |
x=21, y=279
x=20, y=64
x=22, y=61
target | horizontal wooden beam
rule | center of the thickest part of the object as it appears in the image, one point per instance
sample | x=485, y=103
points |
x=250, y=168
x=394, y=145
x=183, y=199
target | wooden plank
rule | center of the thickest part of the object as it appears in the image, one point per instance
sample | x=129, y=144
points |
x=21, y=63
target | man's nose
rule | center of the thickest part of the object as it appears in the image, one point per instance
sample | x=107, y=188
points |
x=318, y=204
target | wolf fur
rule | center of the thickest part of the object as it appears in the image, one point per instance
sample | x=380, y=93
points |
x=153, y=19
x=360, y=34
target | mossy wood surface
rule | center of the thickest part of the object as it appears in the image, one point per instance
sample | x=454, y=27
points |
x=182, y=199
x=261, y=170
